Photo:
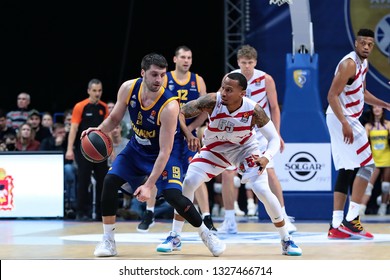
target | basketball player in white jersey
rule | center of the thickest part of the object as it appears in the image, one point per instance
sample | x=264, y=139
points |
x=351, y=150
x=229, y=140
x=261, y=89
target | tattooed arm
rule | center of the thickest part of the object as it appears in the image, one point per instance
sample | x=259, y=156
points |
x=267, y=128
x=204, y=103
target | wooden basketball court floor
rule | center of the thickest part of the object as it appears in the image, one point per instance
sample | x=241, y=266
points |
x=46, y=239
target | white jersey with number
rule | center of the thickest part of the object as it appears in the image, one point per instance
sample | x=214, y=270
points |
x=229, y=140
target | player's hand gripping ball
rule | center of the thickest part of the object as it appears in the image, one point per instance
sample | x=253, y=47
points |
x=96, y=146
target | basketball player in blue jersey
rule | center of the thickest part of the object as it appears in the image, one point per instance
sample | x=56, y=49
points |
x=152, y=156
x=187, y=86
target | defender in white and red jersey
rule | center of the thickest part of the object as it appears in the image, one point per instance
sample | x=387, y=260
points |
x=229, y=140
x=261, y=89
x=351, y=150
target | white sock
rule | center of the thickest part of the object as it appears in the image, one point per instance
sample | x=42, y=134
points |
x=353, y=211
x=150, y=208
x=337, y=218
x=205, y=214
x=202, y=228
x=284, y=212
x=230, y=214
x=283, y=232
x=109, y=231
x=177, y=226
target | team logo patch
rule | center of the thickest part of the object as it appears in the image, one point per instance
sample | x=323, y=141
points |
x=245, y=117
x=300, y=77
x=164, y=174
x=374, y=15
x=6, y=191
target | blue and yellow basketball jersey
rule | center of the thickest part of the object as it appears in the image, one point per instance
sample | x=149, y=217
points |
x=186, y=91
x=145, y=122
x=135, y=162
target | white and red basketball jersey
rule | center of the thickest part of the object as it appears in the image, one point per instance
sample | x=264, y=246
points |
x=228, y=131
x=352, y=97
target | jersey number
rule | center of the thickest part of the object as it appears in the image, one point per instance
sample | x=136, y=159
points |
x=226, y=125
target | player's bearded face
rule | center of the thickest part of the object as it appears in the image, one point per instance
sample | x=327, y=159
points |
x=154, y=78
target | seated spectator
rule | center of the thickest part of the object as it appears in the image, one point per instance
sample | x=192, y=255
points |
x=41, y=132
x=67, y=119
x=4, y=128
x=47, y=121
x=7, y=143
x=124, y=128
x=57, y=141
x=19, y=116
x=25, y=139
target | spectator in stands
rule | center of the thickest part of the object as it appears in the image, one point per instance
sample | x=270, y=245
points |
x=378, y=132
x=7, y=143
x=124, y=127
x=41, y=132
x=4, y=128
x=47, y=121
x=67, y=119
x=57, y=141
x=25, y=139
x=19, y=116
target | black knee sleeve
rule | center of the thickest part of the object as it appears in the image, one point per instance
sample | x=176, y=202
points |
x=344, y=180
x=183, y=206
x=109, y=199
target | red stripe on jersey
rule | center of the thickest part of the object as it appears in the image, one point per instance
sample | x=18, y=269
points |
x=358, y=114
x=258, y=80
x=362, y=148
x=363, y=163
x=203, y=160
x=351, y=104
x=245, y=139
x=220, y=116
x=353, y=91
x=358, y=74
x=218, y=155
x=244, y=114
x=239, y=115
x=241, y=128
x=257, y=91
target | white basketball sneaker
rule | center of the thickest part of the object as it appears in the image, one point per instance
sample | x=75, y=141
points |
x=106, y=248
x=228, y=226
x=213, y=243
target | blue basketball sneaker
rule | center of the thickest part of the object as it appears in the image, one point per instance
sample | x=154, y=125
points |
x=172, y=243
x=289, y=248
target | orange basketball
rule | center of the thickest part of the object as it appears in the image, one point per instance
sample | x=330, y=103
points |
x=96, y=146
